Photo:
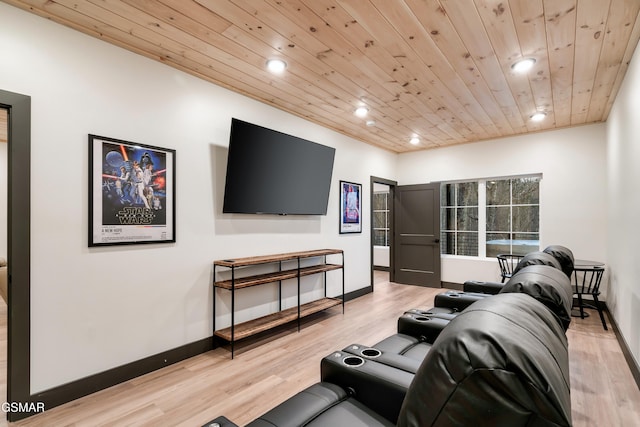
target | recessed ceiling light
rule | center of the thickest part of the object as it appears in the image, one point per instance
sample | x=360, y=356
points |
x=538, y=117
x=414, y=140
x=361, y=111
x=276, y=66
x=371, y=122
x=523, y=65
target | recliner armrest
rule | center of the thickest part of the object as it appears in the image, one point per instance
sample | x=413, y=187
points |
x=458, y=300
x=425, y=327
x=393, y=359
x=302, y=407
x=377, y=386
x=220, y=422
x=482, y=287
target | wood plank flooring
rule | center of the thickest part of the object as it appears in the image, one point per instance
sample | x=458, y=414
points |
x=269, y=369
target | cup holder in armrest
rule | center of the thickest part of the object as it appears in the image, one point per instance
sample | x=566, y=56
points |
x=422, y=318
x=371, y=353
x=353, y=361
x=367, y=352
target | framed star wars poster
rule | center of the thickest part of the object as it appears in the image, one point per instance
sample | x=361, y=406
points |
x=350, y=207
x=132, y=190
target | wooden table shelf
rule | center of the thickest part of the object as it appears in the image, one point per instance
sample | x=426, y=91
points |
x=261, y=279
x=246, y=329
x=261, y=324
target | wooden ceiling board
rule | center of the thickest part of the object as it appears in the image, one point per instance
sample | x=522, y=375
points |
x=560, y=26
x=439, y=69
x=590, y=27
x=449, y=45
x=631, y=46
x=531, y=31
x=499, y=25
x=619, y=27
x=455, y=96
x=469, y=25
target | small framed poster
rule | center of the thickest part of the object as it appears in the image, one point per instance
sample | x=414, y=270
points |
x=132, y=190
x=350, y=207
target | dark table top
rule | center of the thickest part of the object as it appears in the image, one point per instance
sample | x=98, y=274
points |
x=584, y=263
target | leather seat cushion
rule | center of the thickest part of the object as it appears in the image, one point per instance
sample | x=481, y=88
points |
x=322, y=404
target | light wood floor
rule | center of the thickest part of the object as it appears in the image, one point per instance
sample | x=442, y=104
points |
x=266, y=372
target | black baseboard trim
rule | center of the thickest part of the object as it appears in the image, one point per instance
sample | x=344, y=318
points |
x=381, y=268
x=76, y=389
x=633, y=365
x=454, y=286
x=358, y=293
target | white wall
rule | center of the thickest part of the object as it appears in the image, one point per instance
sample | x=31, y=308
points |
x=95, y=309
x=623, y=203
x=572, y=190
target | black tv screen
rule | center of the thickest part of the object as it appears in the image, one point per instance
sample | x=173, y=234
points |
x=269, y=172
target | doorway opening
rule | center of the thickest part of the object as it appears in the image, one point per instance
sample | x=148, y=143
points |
x=381, y=236
x=4, y=174
x=18, y=250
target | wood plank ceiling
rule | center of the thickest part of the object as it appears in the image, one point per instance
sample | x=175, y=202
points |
x=436, y=69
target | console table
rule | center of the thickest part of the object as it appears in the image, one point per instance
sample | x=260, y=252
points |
x=243, y=330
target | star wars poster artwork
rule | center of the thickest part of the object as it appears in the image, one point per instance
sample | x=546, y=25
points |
x=132, y=190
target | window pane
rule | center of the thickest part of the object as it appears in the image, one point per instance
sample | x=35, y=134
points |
x=523, y=243
x=447, y=195
x=499, y=192
x=526, y=218
x=380, y=201
x=380, y=238
x=498, y=243
x=468, y=194
x=448, y=243
x=380, y=220
x=448, y=219
x=467, y=219
x=467, y=244
x=526, y=191
x=499, y=219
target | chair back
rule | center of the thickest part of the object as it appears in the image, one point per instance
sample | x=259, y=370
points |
x=501, y=362
x=564, y=257
x=589, y=281
x=507, y=263
x=547, y=284
x=537, y=258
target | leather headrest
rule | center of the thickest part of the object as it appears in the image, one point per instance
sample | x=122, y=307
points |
x=564, y=257
x=546, y=284
x=502, y=361
x=537, y=258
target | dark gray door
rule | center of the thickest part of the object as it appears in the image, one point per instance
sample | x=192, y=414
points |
x=417, y=235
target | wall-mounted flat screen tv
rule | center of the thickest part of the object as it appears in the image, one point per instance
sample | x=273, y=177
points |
x=269, y=172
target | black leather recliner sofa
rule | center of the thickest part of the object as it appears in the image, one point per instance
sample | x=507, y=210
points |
x=418, y=329
x=554, y=255
x=502, y=361
x=450, y=303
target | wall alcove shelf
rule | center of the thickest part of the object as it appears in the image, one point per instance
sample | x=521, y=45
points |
x=246, y=329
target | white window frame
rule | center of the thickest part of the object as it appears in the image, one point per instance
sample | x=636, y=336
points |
x=482, y=211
